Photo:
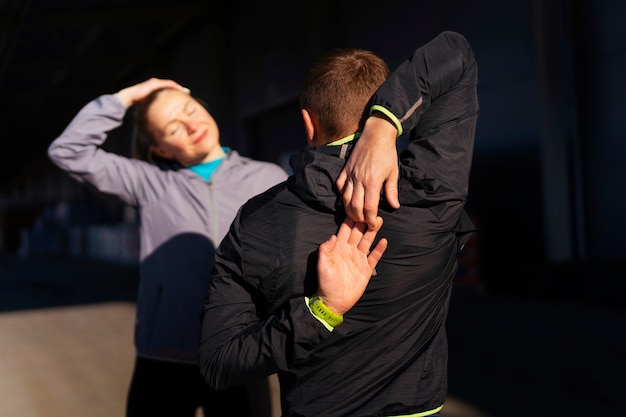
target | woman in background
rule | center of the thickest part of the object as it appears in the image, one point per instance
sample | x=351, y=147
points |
x=187, y=188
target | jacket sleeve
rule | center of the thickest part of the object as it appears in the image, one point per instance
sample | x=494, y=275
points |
x=240, y=341
x=440, y=66
x=78, y=151
x=432, y=97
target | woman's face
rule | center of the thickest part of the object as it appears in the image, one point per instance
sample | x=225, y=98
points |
x=183, y=129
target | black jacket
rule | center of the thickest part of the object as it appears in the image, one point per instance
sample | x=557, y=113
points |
x=389, y=357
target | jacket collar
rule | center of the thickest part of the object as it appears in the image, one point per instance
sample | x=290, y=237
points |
x=315, y=170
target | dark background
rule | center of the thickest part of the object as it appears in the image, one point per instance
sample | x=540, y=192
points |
x=537, y=320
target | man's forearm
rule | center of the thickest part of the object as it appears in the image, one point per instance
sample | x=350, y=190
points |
x=432, y=70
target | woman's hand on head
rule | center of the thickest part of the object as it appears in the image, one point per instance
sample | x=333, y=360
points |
x=133, y=94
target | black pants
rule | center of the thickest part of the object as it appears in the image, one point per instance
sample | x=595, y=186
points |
x=170, y=389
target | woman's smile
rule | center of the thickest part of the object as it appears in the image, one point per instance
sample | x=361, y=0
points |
x=200, y=137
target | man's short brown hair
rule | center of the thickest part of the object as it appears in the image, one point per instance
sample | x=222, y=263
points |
x=338, y=89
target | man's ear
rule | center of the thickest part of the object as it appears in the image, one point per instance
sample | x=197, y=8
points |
x=309, y=127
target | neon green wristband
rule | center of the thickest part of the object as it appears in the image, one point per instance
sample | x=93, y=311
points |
x=390, y=115
x=321, y=310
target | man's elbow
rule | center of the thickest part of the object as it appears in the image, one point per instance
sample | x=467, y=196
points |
x=211, y=373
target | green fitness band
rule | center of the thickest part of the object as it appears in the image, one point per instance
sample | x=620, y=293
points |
x=322, y=311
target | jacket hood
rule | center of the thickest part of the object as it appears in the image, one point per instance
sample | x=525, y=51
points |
x=316, y=169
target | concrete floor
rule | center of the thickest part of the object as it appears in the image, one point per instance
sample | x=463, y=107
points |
x=66, y=348
x=66, y=361
x=77, y=361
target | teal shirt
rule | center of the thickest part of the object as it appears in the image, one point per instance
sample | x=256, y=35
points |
x=206, y=169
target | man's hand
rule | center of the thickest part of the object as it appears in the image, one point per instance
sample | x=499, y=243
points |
x=133, y=94
x=345, y=264
x=372, y=165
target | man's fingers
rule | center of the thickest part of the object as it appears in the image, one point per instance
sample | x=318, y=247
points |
x=353, y=201
x=370, y=210
x=377, y=253
x=347, y=198
x=341, y=181
x=369, y=236
x=371, y=201
x=356, y=234
x=391, y=190
x=329, y=245
x=345, y=229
